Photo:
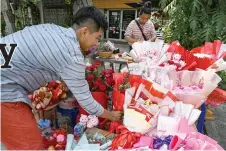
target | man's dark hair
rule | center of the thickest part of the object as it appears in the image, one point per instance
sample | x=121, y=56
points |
x=146, y=9
x=90, y=17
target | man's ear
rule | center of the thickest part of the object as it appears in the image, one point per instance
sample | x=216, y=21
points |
x=84, y=31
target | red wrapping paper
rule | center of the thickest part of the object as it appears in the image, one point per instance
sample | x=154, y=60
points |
x=217, y=97
x=101, y=98
x=118, y=79
x=209, y=49
x=118, y=99
x=186, y=55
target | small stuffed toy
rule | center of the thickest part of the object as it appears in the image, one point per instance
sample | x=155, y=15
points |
x=176, y=58
x=84, y=119
x=93, y=121
x=60, y=137
x=80, y=127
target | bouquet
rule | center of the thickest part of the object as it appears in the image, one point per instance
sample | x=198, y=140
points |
x=207, y=55
x=48, y=96
x=193, y=87
x=148, y=50
x=99, y=80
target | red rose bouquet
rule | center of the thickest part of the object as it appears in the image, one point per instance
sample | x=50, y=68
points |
x=99, y=80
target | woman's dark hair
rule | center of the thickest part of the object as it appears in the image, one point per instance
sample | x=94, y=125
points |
x=91, y=17
x=146, y=9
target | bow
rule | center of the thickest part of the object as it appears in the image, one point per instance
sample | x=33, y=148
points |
x=125, y=139
x=158, y=142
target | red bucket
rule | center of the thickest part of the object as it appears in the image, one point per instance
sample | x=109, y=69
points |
x=101, y=98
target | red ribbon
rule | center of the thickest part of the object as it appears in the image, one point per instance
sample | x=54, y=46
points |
x=114, y=127
x=125, y=139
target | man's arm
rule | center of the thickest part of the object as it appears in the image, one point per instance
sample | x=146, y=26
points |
x=74, y=78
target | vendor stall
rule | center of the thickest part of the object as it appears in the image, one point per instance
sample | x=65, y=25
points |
x=163, y=94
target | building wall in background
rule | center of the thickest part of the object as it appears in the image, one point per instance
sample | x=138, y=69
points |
x=113, y=4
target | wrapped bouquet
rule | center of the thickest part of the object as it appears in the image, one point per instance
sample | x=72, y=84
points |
x=193, y=87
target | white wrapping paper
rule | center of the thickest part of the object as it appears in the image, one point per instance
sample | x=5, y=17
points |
x=135, y=121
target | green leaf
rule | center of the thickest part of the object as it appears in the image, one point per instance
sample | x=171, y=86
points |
x=210, y=2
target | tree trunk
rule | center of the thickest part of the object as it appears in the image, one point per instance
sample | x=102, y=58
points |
x=8, y=17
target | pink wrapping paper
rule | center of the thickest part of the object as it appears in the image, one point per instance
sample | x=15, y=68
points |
x=200, y=83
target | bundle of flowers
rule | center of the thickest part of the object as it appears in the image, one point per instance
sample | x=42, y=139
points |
x=47, y=96
x=210, y=55
x=152, y=51
x=194, y=87
x=99, y=80
x=161, y=124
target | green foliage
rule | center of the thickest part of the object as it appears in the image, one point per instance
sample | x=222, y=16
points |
x=194, y=22
x=222, y=84
x=3, y=28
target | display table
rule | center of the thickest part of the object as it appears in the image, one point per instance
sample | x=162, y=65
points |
x=112, y=61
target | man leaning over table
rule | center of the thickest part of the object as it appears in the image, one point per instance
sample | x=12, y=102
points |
x=44, y=53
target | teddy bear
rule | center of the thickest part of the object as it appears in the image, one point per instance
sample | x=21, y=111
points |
x=93, y=121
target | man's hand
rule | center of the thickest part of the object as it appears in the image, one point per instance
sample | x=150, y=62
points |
x=112, y=115
x=115, y=116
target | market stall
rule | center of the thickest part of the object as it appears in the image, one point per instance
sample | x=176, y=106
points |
x=162, y=94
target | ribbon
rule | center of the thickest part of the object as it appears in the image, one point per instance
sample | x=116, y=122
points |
x=158, y=142
x=125, y=139
x=114, y=128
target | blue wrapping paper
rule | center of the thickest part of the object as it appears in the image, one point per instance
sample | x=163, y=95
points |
x=79, y=130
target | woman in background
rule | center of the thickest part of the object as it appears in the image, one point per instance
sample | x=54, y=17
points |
x=141, y=29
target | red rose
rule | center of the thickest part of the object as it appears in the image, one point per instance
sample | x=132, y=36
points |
x=170, y=62
x=97, y=63
x=95, y=66
x=98, y=80
x=108, y=71
x=53, y=85
x=102, y=87
x=90, y=77
x=108, y=75
x=102, y=73
x=90, y=68
x=109, y=81
x=95, y=84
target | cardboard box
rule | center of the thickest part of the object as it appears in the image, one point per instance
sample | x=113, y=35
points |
x=50, y=115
